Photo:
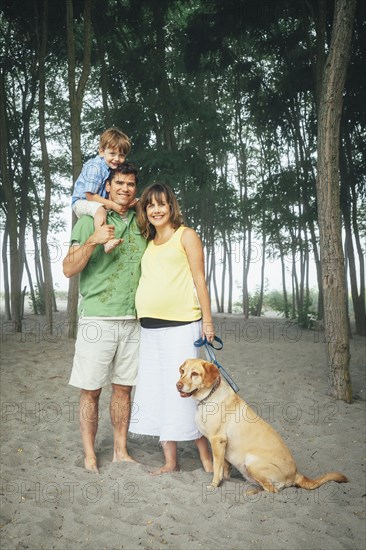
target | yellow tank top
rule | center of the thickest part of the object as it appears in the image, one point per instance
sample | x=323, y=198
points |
x=166, y=289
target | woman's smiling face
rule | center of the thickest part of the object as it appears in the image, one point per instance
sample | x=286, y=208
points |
x=158, y=211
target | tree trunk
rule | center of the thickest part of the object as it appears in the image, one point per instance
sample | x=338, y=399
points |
x=42, y=29
x=230, y=268
x=263, y=265
x=31, y=288
x=214, y=281
x=332, y=260
x=223, y=275
x=37, y=257
x=30, y=73
x=246, y=264
x=5, y=272
x=284, y=289
x=15, y=297
x=308, y=175
x=346, y=205
x=295, y=282
x=349, y=211
x=76, y=94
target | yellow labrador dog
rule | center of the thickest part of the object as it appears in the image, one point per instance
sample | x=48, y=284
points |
x=238, y=436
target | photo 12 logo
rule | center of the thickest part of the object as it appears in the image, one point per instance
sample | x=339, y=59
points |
x=240, y=492
x=69, y=491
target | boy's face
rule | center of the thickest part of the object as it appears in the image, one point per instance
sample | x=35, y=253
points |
x=122, y=189
x=112, y=157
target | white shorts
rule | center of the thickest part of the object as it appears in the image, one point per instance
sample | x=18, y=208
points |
x=106, y=352
x=83, y=206
x=158, y=408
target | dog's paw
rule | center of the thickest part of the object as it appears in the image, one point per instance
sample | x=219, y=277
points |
x=253, y=490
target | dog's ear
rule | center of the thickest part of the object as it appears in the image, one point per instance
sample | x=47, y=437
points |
x=211, y=372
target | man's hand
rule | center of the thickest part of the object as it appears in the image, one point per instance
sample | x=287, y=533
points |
x=79, y=255
x=101, y=235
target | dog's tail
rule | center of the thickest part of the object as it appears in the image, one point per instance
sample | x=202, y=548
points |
x=307, y=483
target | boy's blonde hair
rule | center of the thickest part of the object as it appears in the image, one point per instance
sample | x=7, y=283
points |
x=115, y=139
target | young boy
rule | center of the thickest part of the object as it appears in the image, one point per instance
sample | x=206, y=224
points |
x=90, y=196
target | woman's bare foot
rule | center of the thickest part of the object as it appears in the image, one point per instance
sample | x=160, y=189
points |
x=166, y=469
x=205, y=454
x=90, y=463
x=207, y=464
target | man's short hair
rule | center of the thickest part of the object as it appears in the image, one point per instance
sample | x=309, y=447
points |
x=124, y=168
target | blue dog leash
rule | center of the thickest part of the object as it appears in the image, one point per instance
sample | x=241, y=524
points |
x=210, y=354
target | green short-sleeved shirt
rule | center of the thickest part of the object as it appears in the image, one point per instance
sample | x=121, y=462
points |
x=108, y=282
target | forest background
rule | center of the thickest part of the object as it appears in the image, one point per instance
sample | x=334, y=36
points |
x=221, y=99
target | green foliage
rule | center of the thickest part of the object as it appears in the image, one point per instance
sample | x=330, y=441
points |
x=37, y=301
x=304, y=316
x=276, y=301
x=254, y=302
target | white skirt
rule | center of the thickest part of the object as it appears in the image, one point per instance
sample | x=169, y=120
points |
x=158, y=408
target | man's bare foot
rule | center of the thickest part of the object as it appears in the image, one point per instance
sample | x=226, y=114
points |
x=166, y=469
x=124, y=457
x=90, y=463
x=111, y=245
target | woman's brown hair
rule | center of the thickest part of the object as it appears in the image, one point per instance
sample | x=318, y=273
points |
x=160, y=192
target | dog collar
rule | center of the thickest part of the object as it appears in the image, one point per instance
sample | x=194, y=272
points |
x=216, y=385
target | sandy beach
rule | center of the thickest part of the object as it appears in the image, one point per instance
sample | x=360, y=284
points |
x=48, y=501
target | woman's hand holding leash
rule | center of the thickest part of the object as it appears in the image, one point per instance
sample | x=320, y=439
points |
x=208, y=331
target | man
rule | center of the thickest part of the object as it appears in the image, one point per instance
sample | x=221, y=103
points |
x=106, y=349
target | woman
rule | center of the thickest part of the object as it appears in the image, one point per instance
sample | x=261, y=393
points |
x=173, y=306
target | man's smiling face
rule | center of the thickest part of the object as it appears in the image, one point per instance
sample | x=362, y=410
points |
x=122, y=189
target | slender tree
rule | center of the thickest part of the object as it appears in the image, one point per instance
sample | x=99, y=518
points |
x=332, y=260
x=15, y=271
x=41, y=12
x=76, y=95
